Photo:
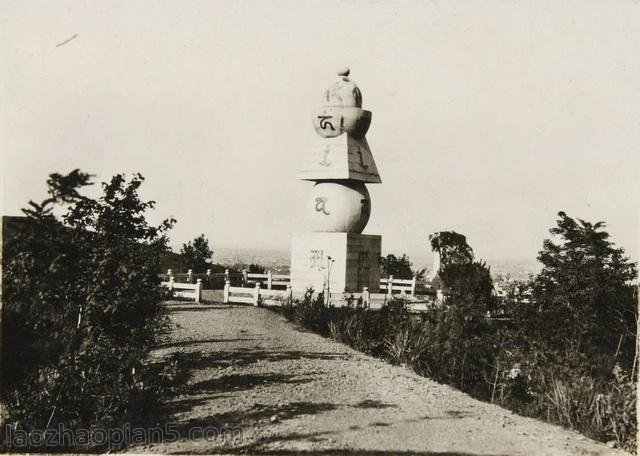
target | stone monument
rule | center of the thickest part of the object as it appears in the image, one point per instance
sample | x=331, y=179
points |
x=336, y=257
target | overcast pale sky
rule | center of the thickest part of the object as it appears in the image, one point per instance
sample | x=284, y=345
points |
x=488, y=117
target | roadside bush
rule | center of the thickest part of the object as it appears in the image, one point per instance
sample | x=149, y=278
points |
x=310, y=312
x=619, y=401
x=495, y=364
x=601, y=410
x=408, y=346
x=81, y=309
x=358, y=328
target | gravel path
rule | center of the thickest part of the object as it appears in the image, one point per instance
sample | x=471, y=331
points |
x=294, y=392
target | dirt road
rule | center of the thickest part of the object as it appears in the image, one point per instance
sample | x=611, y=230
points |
x=294, y=392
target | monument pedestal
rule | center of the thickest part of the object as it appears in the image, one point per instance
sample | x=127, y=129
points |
x=349, y=260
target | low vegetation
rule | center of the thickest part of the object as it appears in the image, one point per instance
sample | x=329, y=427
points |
x=564, y=350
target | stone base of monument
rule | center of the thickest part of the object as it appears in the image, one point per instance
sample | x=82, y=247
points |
x=349, y=260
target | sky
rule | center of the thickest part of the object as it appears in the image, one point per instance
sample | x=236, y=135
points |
x=488, y=117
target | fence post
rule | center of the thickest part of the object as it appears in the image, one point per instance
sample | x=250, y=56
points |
x=198, y=290
x=390, y=285
x=171, y=283
x=269, y=280
x=244, y=277
x=189, y=275
x=226, y=275
x=227, y=284
x=208, y=274
x=366, y=297
x=413, y=287
x=256, y=295
x=289, y=293
x=169, y=274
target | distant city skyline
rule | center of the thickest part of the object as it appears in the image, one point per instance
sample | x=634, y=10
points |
x=489, y=118
x=276, y=259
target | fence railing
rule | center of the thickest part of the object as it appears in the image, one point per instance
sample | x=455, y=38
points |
x=191, y=277
x=260, y=296
x=267, y=280
x=185, y=290
x=403, y=286
x=256, y=295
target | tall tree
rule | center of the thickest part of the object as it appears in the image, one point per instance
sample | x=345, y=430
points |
x=452, y=247
x=196, y=253
x=584, y=288
x=467, y=282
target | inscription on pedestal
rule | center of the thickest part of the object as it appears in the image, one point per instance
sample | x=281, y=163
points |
x=315, y=260
x=353, y=261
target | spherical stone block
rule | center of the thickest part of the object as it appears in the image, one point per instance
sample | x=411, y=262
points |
x=332, y=121
x=339, y=207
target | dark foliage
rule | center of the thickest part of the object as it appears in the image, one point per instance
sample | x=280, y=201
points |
x=196, y=253
x=466, y=282
x=81, y=308
x=310, y=312
x=171, y=260
x=452, y=247
x=257, y=269
x=399, y=267
x=583, y=293
x=468, y=285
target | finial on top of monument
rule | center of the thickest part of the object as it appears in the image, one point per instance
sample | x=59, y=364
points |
x=342, y=109
x=344, y=71
x=344, y=92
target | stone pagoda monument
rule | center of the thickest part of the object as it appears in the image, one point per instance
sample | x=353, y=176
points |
x=336, y=257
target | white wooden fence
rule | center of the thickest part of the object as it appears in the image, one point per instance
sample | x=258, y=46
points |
x=268, y=280
x=402, y=286
x=260, y=296
x=365, y=297
x=185, y=290
x=190, y=277
x=256, y=295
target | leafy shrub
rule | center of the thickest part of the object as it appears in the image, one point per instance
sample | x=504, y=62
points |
x=601, y=410
x=572, y=403
x=337, y=331
x=359, y=328
x=81, y=308
x=408, y=346
x=620, y=404
x=310, y=312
